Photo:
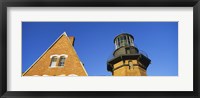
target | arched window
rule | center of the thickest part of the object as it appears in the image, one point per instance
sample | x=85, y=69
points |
x=62, y=61
x=53, y=61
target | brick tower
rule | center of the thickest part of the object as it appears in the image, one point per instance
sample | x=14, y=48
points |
x=60, y=59
x=127, y=60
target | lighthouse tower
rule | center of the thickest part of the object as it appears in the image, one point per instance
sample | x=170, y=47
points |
x=127, y=60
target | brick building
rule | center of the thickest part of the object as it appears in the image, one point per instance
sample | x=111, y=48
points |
x=127, y=60
x=60, y=59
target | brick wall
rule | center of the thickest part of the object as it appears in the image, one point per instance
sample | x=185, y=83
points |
x=72, y=65
x=127, y=70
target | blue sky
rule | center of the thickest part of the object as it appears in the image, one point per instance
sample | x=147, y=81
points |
x=94, y=43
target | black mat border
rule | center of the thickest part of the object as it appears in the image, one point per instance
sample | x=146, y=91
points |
x=98, y=3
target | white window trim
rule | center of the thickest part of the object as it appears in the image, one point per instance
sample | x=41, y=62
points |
x=65, y=55
x=54, y=55
x=58, y=57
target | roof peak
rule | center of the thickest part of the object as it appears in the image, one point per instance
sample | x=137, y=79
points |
x=64, y=33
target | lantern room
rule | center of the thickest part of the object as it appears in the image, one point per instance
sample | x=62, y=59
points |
x=123, y=39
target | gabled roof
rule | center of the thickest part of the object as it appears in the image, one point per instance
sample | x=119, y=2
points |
x=71, y=39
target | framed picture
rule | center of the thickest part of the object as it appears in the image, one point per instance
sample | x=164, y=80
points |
x=74, y=48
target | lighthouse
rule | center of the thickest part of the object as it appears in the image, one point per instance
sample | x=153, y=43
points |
x=127, y=60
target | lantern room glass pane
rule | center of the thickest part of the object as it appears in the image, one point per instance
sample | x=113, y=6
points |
x=118, y=42
x=123, y=40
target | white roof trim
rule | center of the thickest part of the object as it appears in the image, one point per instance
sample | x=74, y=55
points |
x=78, y=57
x=64, y=33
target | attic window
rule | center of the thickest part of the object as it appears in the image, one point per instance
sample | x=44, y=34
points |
x=53, y=61
x=62, y=61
